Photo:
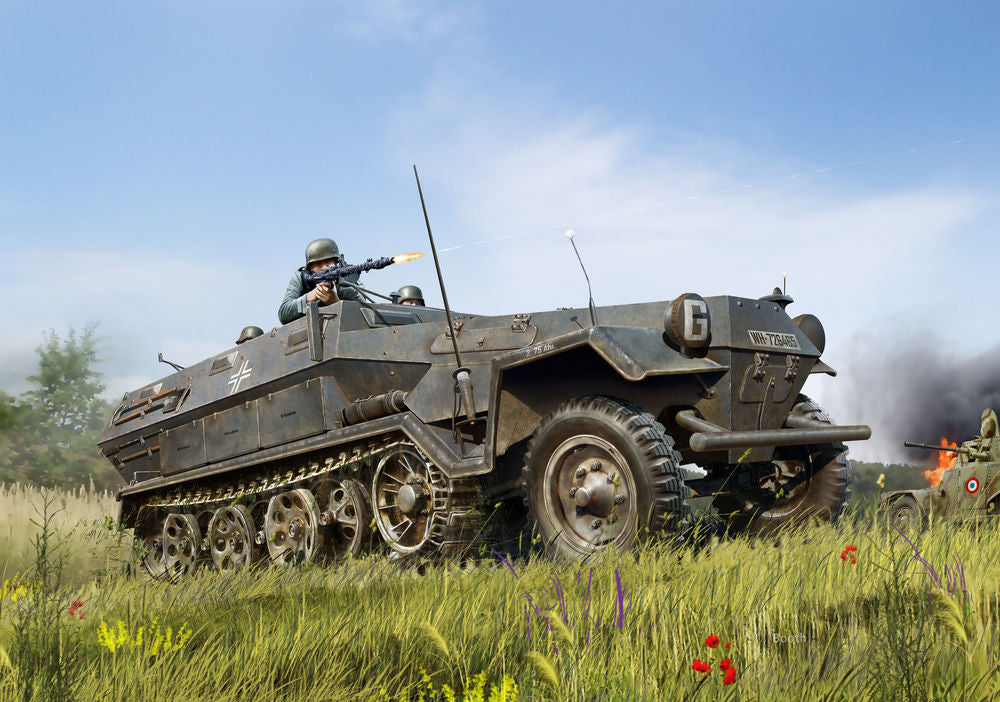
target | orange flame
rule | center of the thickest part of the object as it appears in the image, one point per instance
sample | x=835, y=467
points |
x=403, y=258
x=946, y=461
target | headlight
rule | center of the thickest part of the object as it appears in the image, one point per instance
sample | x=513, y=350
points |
x=813, y=329
x=687, y=321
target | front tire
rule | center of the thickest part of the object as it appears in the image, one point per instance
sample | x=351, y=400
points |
x=599, y=473
x=906, y=515
x=822, y=496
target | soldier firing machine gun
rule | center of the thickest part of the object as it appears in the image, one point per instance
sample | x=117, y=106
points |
x=336, y=274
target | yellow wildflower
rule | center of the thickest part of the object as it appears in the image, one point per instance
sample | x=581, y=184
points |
x=475, y=693
x=151, y=639
x=507, y=691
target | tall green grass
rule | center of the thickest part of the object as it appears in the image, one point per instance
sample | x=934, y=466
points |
x=81, y=516
x=621, y=627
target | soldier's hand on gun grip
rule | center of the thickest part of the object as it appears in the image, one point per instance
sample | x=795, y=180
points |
x=324, y=293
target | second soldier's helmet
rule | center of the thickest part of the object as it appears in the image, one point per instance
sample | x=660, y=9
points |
x=248, y=333
x=321, y=249
x=411, y=292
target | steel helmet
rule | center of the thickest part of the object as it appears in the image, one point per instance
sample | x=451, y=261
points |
x=321, y=249
x=411, y=292
x=248, y=333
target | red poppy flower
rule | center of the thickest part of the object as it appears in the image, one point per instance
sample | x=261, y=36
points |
x=730, y=677
x=843, y=555
x=727, y=645
x=725, y=663
x=712, y=641
x=700, y=666
x=853, y=559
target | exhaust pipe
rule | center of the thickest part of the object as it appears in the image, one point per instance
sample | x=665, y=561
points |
x=383, y=405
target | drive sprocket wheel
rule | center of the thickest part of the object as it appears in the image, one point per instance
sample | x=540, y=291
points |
x=601, y=472
x=822, y=495
x=404, y=500
x=291, y=527
x=231, y=538
x=418, y=510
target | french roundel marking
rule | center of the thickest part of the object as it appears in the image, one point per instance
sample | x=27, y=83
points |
x=972, y=485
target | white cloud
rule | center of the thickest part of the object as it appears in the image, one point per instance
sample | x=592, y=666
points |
x=665, y=223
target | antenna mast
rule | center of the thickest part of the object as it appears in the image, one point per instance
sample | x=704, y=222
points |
x=462, y=377
x=593, y=310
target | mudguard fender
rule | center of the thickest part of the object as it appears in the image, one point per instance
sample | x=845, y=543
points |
x=634, y=353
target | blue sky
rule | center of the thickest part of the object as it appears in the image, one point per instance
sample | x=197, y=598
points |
x=163, y=166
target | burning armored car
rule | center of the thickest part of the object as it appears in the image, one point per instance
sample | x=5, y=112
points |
x=968, y=491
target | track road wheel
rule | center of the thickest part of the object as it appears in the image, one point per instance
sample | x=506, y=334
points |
x=231, y=538
x=906, y=515
x=290, y=527
x=598, y=473
x=181, y=545
x=345, y=518
x=149, y=542
x=823, y=496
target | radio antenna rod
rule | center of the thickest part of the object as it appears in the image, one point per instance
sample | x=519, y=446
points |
x=462, y=377
x=593, y=310
x=161, y=359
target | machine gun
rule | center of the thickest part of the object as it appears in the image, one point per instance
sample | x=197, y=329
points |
x=957, y=449
x=334, y=274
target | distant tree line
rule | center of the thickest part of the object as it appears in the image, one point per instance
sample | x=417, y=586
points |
x=48, y=435
x=864, y=481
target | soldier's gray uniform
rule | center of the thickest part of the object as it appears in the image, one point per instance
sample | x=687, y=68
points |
x=294, y=305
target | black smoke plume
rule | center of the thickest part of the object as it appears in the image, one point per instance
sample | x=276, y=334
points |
x=919, y=390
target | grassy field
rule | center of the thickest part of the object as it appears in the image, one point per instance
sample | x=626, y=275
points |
x=80, y=513
x=800, y=621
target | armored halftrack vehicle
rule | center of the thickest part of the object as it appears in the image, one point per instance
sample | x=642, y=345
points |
x=363, y=423
x=969, y=491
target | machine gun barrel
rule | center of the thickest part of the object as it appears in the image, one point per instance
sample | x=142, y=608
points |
x=957, y=449
x=333, y=274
